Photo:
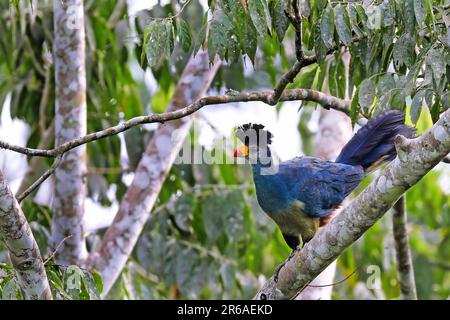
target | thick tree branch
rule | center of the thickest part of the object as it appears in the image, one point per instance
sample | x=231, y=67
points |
x=415, y=158
x=403, y=252
x=23, y=249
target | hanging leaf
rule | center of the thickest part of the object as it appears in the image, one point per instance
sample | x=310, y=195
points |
x=260, y=15
x=416, y=106
x=158, y=41
x=319, y=46
x=409, y=16
x=403, y=52
x=354, y=108
x=280, y=22
x=217, y=38
x=243, y=27
x=343, y=26
x=385, y=84
x=435, y=59
x=327, y=26
x=373, y=17
x=184, y=35
x=201, y=38
x=420, y=11
x=366, y=94
x=353, y=15
x=388, y=13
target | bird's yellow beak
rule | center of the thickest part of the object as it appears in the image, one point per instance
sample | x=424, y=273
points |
x=241, y=152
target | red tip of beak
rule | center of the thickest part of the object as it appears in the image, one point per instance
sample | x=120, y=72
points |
x=235, y=153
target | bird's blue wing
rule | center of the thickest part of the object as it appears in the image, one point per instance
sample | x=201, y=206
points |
x=319, y=184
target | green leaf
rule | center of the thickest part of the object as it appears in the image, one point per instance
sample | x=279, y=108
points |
x=388, y=13
x=343, y=26
x=319, y=46
x=327, y=26
x=183, y=266
x=184, y=35
x=403, y=52
x=217, y=40
x=385, y=84
x=409, y=16
x=362, y=16
x=435, y=59
x=260, y=15
x=416, y=106
x=243, y=27
x=353, y=15
x=373, y=17
x=420, y=11
x=354, y=108
x=158, y=41
x=366, y=94
x=201, y=38
x=280, y=22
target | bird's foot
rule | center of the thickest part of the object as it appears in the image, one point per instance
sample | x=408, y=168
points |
x=278, y=269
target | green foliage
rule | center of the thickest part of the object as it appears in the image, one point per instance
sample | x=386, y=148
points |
x=66, y=283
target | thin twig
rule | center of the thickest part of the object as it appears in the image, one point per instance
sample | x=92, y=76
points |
x=56, y=249
x=40, y=180
x=334, y=283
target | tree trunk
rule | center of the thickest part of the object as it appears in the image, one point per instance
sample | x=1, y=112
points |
x=110, y=256
x=70, y=123
x=22, y=247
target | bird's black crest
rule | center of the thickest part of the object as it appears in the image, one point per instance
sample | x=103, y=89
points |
x=246, y=131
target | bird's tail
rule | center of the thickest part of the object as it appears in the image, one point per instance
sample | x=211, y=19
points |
x=373, y=144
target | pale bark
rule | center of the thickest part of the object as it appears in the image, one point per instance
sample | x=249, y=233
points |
x=415, y=157
x=70, y=123
x=335, y=130
x=110, y=256
x=22, y=247
x=403, y=252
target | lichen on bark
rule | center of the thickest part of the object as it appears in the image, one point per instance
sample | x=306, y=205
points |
x=22, y=247
x=70, y=123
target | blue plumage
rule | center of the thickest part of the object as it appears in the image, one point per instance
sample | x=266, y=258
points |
x=305, y=189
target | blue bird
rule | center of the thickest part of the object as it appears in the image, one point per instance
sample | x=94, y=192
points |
x=300, y=193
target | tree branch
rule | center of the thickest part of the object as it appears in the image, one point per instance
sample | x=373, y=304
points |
x=415, y=157
x=404, y=261
x=327, y=101
x=23, y=249
x=40, y=180
x=36, y=166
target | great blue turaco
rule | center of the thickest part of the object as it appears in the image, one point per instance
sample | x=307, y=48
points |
x=301, y=193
